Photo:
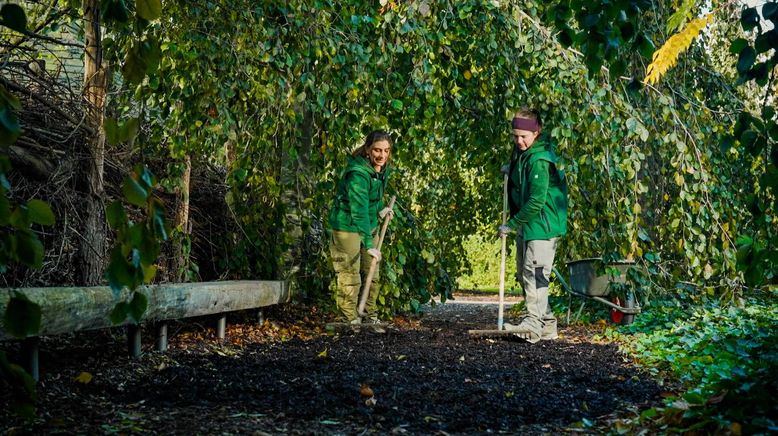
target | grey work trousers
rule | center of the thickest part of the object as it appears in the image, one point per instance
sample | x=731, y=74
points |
x=534, y=260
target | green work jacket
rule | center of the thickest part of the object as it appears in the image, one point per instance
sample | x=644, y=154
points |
x=358, y=199
x=537, y=192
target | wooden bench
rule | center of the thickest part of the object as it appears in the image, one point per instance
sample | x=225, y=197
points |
x=66, y=310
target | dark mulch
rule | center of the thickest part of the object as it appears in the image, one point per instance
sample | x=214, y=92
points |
x=426, y=376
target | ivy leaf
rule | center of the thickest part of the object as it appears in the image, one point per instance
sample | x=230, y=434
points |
x=118, y=273
x=137, y=306
x=22, y=317
x=40, y=213
x=111, y=129
x=13, y=17
x=134, y=68
x=770, y=11
x=738, y=45
x=158, y=219
x=114, y=10
x=9, y=122
x=134, y=192
x=397, y=104
x=726, y=142
x=119, y=313
x=148, y=9
x=29, y=249
x=129, y=129
x=762, y=43
x=749, y=19
x=566, y=36
x=114, y=213
x=151, y=53
x=746, y=59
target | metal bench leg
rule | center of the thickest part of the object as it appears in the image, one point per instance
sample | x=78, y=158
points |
x=221, y=326
x=30, y=356
x=261, y=317
x=133, y=340
x=162, y=337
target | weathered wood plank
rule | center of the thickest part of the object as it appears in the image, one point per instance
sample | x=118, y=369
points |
x=84, y=308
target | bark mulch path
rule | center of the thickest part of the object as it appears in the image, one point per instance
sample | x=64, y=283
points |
x=425, y=374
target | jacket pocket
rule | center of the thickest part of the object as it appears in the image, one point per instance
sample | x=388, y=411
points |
x=544, y=220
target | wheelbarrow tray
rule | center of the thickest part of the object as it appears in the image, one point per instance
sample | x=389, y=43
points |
x=586, y=283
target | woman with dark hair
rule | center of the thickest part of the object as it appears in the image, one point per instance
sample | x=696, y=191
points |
x=354, y=219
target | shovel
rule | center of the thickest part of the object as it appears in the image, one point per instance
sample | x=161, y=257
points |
x=374, y=262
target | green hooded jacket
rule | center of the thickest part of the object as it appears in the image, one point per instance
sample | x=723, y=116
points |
x=537, y=192
x=358, y=199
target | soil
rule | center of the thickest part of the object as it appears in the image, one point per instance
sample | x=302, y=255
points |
x=425, y=375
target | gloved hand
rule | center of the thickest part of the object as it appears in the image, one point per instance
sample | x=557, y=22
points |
x=375, y=253
x=505, y=169
x=386, y=212
x=503, y=230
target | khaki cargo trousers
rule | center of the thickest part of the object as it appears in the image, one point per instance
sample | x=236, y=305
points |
x=534, y=260
x=351, y=261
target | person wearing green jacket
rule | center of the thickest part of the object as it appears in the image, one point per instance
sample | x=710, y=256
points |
x=357, y=206
x=538, y=209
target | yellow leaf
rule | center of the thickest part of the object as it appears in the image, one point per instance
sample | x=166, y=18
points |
x=468, y=75
x=678, y=179
x=84, y=378
x=666, y=56
x=323, y=354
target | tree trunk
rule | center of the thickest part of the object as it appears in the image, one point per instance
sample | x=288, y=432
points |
x=180, y=261
x=95, y=231
x=293, y=169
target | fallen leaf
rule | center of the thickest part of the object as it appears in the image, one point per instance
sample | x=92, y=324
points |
x=323, y=354
x=84, y=378
x=365, y=390
x=370, y=402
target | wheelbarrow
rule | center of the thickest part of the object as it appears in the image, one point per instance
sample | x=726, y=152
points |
x=586, y=282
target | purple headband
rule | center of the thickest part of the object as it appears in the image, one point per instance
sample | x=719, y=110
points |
x=525, y=124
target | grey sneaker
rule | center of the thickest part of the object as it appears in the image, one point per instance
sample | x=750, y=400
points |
x=375, y=325
x=522, y=332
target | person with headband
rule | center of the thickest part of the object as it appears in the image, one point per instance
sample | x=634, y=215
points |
x=537, y=196
x=353, y=219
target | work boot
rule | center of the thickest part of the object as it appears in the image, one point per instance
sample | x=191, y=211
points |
x=375, y=325
x=549, y=333
x=522, y=332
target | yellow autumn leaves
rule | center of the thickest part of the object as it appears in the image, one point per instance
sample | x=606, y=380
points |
x=667, y=55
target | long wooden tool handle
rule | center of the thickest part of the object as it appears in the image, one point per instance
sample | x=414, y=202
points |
x=374, y=262
x=503, y=252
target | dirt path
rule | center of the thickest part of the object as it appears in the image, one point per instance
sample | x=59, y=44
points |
x=427, y=377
